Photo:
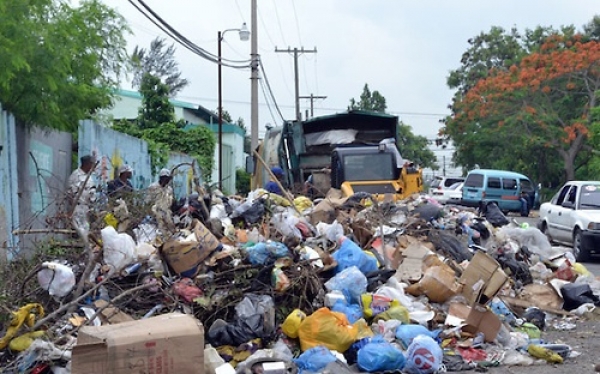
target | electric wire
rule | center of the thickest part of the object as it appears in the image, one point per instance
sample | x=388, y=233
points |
x=307, y=86
x=264, y=74
x=175, y=35
x=262, y=86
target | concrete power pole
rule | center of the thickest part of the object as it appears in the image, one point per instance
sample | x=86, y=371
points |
x=312, y=99
x=254, y=78
x=296, y=52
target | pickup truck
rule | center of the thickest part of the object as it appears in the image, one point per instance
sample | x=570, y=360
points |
x=572, y=217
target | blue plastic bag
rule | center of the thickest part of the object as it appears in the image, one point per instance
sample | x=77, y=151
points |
x=424, y=356
x=406, y=333
x=352, y=311
x=351, y=282
x=380, y=356
x=349, y=254
x=261, y=252
x=314, y=359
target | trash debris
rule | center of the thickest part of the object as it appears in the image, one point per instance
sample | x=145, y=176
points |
x=276, y=285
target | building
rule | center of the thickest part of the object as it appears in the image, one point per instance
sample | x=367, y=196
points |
x=127, y=104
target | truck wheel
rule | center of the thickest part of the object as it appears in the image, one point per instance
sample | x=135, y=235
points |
x=579, y=254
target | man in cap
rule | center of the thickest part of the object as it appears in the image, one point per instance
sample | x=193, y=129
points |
x=273, y=186
x=122, y=182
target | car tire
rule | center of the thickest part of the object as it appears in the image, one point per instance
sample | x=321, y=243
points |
x=544, y=230
x=580, y=255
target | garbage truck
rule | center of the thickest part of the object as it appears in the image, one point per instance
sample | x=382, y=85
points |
x=354, y=151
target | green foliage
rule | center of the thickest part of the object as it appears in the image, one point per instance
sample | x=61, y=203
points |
x=371, y=101
x=58, y=63
x=160, y=62
x=242, y=182
x=414, y=147
x=156, y=125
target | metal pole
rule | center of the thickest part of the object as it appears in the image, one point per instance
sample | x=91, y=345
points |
x=254, y=78
x=219, y=36
x=298, y=115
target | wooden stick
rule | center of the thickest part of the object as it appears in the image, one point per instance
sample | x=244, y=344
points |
x=283, y=190
x=44, y=231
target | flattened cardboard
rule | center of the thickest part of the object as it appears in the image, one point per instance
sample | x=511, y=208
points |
x=111, y=314
x=474, y=320
x=168, y=344
x=482, y=279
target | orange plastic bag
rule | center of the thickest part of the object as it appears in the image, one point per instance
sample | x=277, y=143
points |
x=327, y=328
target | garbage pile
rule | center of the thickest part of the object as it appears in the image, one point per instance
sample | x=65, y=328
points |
x=265, y=284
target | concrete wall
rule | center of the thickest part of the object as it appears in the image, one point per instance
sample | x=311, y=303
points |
x=9, y=207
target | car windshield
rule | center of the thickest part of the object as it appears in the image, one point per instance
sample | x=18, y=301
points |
x=590, y=197
x=369, y=167
x=456, y=186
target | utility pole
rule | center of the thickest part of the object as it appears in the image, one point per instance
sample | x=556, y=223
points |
x=254, y=78
x=296, y=52
x=312, y=99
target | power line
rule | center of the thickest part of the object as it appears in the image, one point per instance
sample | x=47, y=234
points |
x=179, y=38
x=262, y=68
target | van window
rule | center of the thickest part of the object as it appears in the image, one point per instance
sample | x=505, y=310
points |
x=494, y=182
x=527, y=186
x=509, y=184
x=474, y=180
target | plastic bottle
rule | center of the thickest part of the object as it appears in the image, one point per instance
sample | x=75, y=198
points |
x=212, y=359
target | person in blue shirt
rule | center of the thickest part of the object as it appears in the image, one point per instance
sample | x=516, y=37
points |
x=272, y=186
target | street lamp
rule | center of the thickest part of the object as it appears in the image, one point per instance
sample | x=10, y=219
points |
x=244, y=36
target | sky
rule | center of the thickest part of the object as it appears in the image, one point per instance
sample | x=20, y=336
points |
x=403, y=49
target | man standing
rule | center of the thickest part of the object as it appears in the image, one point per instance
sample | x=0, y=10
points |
x=272, y=186
x=82, y=194
x=160, y=195
x=121, y=183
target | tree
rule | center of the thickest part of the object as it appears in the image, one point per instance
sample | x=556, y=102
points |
x=156, y=124
x=160, y=62
x=545, y=100
x=372, y=101
x=414, y=147
x=59, y=64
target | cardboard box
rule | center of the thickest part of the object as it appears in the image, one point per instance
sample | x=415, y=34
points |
x=439, y=284
x=410, y=268
x=474, y=320
x=168, y=344
x=482, y=279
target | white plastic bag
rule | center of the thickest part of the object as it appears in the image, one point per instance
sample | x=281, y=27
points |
x=57, y=279
x=332, y=232
x=286, y=225
x=118, y=249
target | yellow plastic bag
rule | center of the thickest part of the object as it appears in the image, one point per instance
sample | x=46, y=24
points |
x=292, y=323
x=111, y=220
x=545, y=354
x=25, y=315
x=373, y=305
x=399, y=313
x=327, y=328
x=581, y=269
x=302, y=203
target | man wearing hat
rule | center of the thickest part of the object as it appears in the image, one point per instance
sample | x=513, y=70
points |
x=122, y=182
x=160, y=195
x=272, y=186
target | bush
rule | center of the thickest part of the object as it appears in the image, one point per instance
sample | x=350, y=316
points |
x=242, y=181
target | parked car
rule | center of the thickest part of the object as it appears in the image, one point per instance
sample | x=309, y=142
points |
x=500, y=186
x=441, y=183
x=450, y=195
x=572, y=217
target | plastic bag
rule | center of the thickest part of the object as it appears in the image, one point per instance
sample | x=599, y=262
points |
x=327, y=328
x=352, y=311
x=380, y=356
x=351, y=282
x=118, y=249
x=575, y=295
x=57, y=279
x=237, y=332
x=349, y=254
x=292, y=323
x=407, y=333
x=314, y=359
x=398, y=313
x=424, y=356
x=286, y=225
x=259, y=253
x=332, y=232
x=253, y=304
x=376, y=304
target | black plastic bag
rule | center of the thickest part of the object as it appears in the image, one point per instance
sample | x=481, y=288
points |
x=493, y=214
x=237, y=332
x=518, y=270
x=449, y=245
x=575, y=295
x=255, y=213
x=536, y=316
x=428, y=212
